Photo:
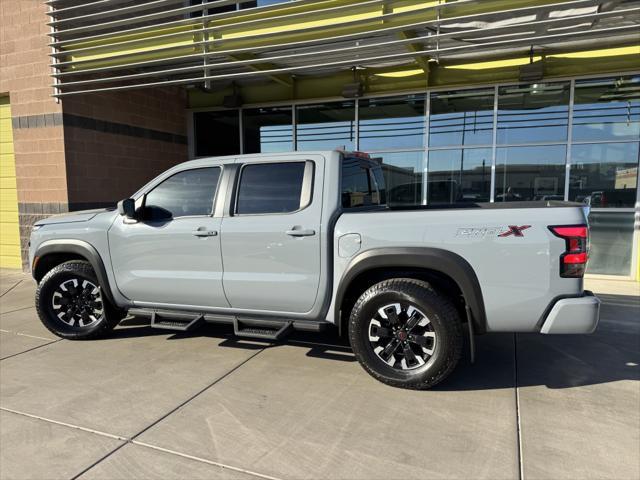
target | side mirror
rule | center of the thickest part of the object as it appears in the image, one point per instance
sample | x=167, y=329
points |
x=127, y=208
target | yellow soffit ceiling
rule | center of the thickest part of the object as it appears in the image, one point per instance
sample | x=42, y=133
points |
x=513, y=62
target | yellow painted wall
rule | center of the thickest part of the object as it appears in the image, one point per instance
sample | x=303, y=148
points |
x=9, y=230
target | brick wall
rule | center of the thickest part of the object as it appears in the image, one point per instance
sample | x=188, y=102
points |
x=117, y=141
x=37, y=118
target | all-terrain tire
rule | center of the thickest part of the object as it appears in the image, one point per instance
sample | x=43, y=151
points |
x=443, y=325
x=68, y=278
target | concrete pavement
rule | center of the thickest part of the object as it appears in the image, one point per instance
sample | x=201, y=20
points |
x=149, y=404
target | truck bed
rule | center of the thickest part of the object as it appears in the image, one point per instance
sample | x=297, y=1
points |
x=518, y=274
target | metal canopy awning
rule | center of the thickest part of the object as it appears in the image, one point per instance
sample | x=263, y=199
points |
x=107, y=45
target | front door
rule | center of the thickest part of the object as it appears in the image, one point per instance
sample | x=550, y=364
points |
x=171, y=255
x=271, y=240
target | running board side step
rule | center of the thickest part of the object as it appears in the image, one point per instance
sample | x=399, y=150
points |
x=180, y=324
x=265, y=329
x=183, y=320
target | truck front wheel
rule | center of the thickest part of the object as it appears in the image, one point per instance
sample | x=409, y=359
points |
x=71, y=304
x=405, y=334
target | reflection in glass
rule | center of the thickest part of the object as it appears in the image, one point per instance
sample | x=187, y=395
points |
x=461, y=118
x=217, y=133
x=459, y=175
x=607, y=109
x=326, y=126
x=530, y=173
x=604, y=174
x=611, y=242
x=267, y=130
x=359, y=185
x=533, y=113
x=396, y=122
x=403, y=177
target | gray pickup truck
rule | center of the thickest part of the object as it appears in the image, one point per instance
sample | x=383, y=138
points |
x=298, y=241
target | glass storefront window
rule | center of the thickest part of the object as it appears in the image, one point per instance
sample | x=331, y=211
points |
x=530, y=173
x=607, y=109
x=459, y=175
x=403, y=177
x=611, y=243
x=604, y=175
x=396, y=122
x=326, y=126
x=533, y=113
x=267, y=130
x=461, y=118
x=217, y=133
x=532, y=142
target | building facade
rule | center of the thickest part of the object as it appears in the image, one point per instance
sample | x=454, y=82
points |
x=463, y=101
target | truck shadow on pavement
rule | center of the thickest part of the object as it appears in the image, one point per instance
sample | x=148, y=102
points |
x=610, y=354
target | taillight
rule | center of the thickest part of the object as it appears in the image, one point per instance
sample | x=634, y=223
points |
x=573, y=262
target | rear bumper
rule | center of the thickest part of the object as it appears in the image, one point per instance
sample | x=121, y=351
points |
x=573, y=315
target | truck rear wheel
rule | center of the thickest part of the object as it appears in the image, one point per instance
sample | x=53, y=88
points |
x=71, y=304
x=405, y=334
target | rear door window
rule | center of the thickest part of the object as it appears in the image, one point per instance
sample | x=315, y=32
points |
x=270, y=188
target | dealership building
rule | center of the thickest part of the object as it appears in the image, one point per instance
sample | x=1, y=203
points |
x=462, y=101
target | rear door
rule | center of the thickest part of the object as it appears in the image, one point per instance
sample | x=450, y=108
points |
x=172, y=254
x=271, y=240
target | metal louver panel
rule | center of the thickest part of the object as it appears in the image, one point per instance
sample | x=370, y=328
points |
x=106, y=45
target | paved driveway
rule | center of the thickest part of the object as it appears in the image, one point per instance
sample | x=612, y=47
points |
x=149, y=404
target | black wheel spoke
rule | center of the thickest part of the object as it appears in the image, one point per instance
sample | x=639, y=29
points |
x=390, y=349
x=413, y=320
x=392, y=315
x=86, y=319
x=418, y=340
x=409, y=356
x=383, y=332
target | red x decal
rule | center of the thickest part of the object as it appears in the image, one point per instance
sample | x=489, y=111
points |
x=515, y=231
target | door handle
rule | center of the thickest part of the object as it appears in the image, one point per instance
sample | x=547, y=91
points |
x=203, y=232
x=299, y=232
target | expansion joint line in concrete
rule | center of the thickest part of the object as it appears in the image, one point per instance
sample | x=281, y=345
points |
x=132, y=439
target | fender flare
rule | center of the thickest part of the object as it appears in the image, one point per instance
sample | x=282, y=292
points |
x=439, y=260
x=84, y=249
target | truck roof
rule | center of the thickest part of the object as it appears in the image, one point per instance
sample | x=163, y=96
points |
x=203, y=161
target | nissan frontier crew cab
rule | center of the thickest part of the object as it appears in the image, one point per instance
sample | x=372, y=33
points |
x=276, y=242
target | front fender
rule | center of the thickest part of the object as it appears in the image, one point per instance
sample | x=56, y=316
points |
x=76, y=247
